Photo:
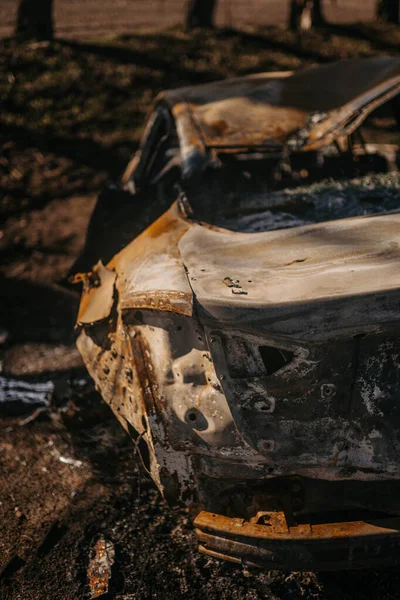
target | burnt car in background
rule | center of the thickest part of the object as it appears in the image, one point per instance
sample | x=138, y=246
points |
x=246, y=337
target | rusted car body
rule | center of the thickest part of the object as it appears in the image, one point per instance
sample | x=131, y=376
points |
x=257, y=370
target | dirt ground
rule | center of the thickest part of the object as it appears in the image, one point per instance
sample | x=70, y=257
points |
x=70, y=120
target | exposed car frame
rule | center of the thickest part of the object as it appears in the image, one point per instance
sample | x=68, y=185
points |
x=245, y=365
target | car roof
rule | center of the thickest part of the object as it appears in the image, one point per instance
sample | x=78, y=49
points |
x=267, y=112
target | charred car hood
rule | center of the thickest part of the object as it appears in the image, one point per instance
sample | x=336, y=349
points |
x=329, y=301
x=259, y=279
x=315, y=282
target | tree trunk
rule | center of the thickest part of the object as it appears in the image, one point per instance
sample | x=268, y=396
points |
x=389, y=10
x=306, y=14
x=200, y=13
x=318, y=15
x=35, y=20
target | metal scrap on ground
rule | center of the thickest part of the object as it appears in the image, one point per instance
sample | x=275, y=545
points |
x=15, y=392
x=102, y=557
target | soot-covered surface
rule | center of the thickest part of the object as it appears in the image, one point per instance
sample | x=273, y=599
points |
x=323, y=201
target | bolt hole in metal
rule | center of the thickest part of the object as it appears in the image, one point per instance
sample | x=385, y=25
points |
x=328, y=390
x=266, y=446
x=196, y=419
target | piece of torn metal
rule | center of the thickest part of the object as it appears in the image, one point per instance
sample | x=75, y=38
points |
x=102, y=556
x=268, y=541
x=98, y=284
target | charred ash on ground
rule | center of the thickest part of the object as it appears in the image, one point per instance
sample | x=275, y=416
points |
x=80, y=517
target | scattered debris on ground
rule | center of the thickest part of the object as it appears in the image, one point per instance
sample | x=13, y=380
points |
x=15, y=394
x=99, y=570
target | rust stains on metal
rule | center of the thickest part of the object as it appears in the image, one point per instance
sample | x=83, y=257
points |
x=275, y=544
x=191, y=138
x=150, y=272
x=99, y=570
x=276, y=526
x=324, y=128
x=172, y=301
x=267, y=112
x=304, y=111
x=98, y=295
x=138, y=275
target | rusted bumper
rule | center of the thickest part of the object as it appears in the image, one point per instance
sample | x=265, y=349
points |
x=275, y=545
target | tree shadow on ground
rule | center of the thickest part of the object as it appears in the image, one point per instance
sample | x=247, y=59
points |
x=381, y=38
x=37, y=313
x=151, y=60
x=86, y=151
x=315, y=45
x=275, y=39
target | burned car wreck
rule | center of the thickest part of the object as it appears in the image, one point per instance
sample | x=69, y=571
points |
x=248, y=338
